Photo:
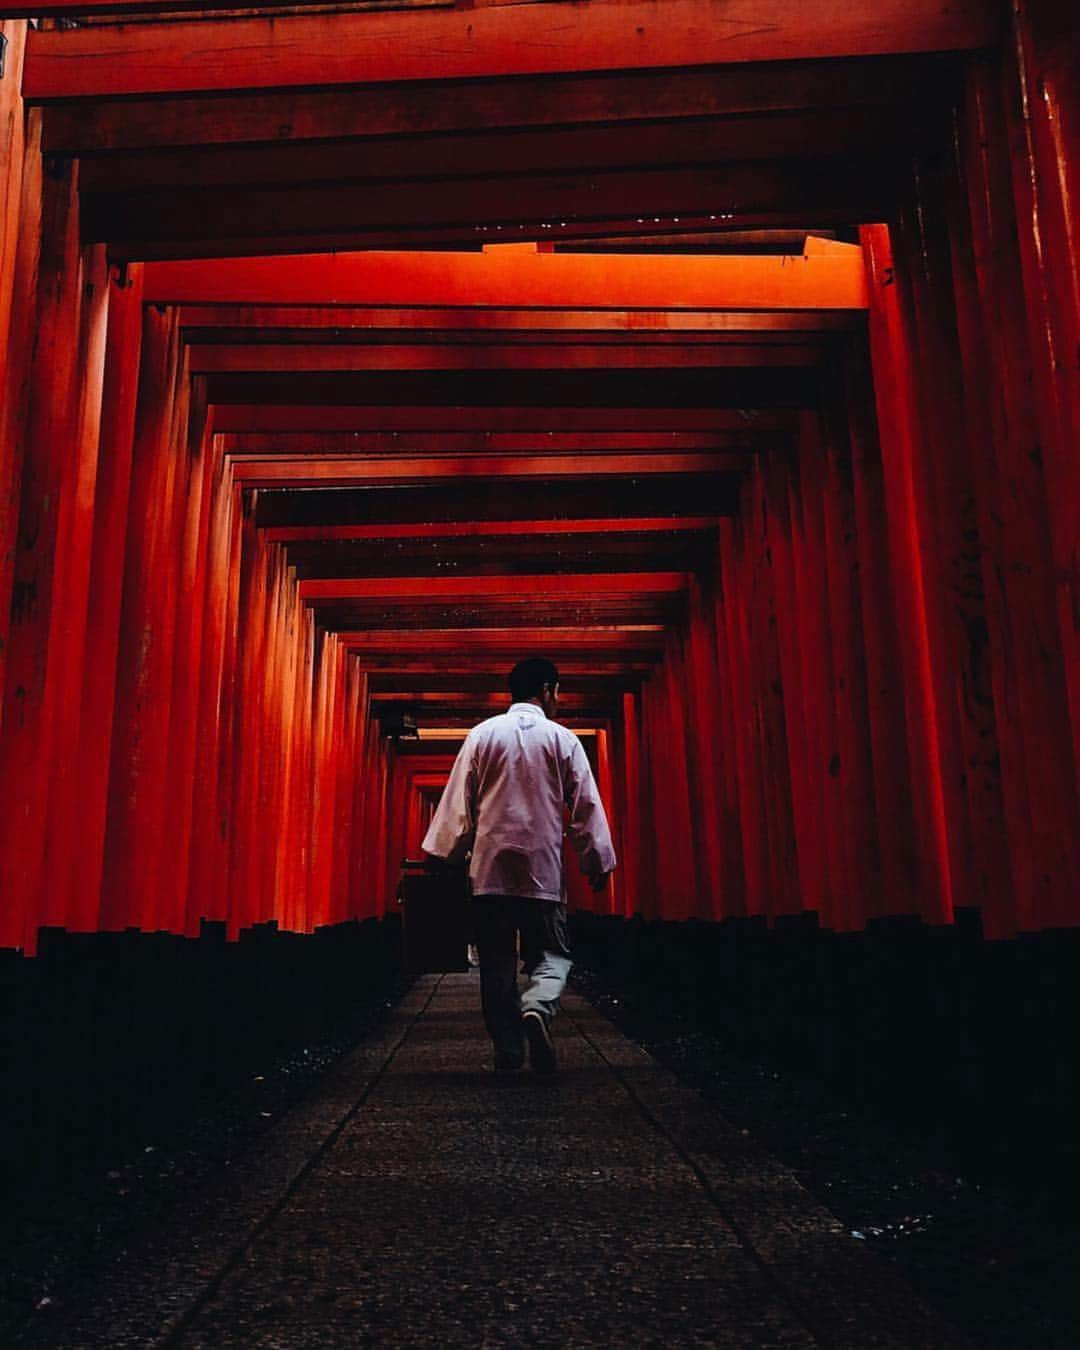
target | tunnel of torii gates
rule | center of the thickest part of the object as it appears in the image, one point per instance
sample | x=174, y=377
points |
x=725, y=353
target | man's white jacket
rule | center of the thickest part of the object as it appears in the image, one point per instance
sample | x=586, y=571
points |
x=505, y=799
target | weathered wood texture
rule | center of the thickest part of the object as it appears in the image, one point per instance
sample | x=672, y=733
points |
x=512, y=40
x=802, y=531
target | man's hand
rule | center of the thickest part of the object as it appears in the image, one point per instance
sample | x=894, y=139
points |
x=599, y=882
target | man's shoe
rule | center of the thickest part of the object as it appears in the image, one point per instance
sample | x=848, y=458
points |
x=541, y=1046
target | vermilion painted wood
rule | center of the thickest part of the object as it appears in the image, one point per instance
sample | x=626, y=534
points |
x=738, y=677
x=684, y=793
x=323, y=779
x=496, y=151
x=106, y=573
x=71, y=645
x=893, y=784
x=331, y=445
x=606, y=900
x=487, y=529
x=901, y=447
x=1036, y=151
x=500, y=642
x=382, y=890
x=224, y=358
x=702, y=714
x=1046, y=43
x=856, y=771
x=570, y=99
x=305, y=799
x=1030, y=692
x=564, y=391
x=819, y=625
x=349, y=750
x=18, y=243
x=338, y=733
x=770, y=723
x=787, y=196
x=392, y=672
x=632, y=583
x=243, y=747
x=306, y=471
x=304, y=323
x=502, y=277
x=270, y=417
x=207, y=853
x=647, y=876
x=449, y=699
x=293, y=775
x=192, y=563
x=629, y=808
x=12, y=138
x=479, y=677
x=717, y=663
x=955, y=439
x=138, y=786
x=989, y=876
x=257, y=744
x=47, y=413
x=518, y=40
x=979, y=125
x=229, y=608
x=375, y=824
x=342, y=215
x=358, y=900
x=820, y=635
x=799, y=606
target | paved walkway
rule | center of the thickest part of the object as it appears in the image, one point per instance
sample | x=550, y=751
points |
x=412, y=1201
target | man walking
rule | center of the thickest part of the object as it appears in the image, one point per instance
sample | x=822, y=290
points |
x=505, y=803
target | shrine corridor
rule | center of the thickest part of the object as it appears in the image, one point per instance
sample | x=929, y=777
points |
x=722, y=352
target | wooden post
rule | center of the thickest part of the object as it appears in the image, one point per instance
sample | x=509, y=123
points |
x=1031, y=694
x=56, y=382
x=902, y=453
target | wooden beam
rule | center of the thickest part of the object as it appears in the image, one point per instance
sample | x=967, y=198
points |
x=396, y=686
x=479, y=499
x=465, y=529
x=402, y=671
x=469, y=613
x=280, y=471
x=435, y=589
x=509, y=277
x=480, y=699
x=569, y=392
x=527, y=39
x=503, y=641
x=265, y=357
x=526, y=555
x=269, y=417
x=247, y=323
x=449, y=109
x=335, y=444
x=497, y=152
x=477, y=208
x=854, y=203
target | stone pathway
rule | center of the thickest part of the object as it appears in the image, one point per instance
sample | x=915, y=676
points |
x=412, y=1201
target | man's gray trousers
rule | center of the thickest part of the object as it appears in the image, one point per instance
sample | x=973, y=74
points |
x=545, y=958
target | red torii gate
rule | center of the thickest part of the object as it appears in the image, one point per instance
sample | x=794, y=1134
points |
x=863, y=692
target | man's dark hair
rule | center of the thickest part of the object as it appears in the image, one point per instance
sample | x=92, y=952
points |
x=528, y=678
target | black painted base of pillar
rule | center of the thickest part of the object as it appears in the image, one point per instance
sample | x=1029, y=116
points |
x=134, y=1064
x=968, y=1040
